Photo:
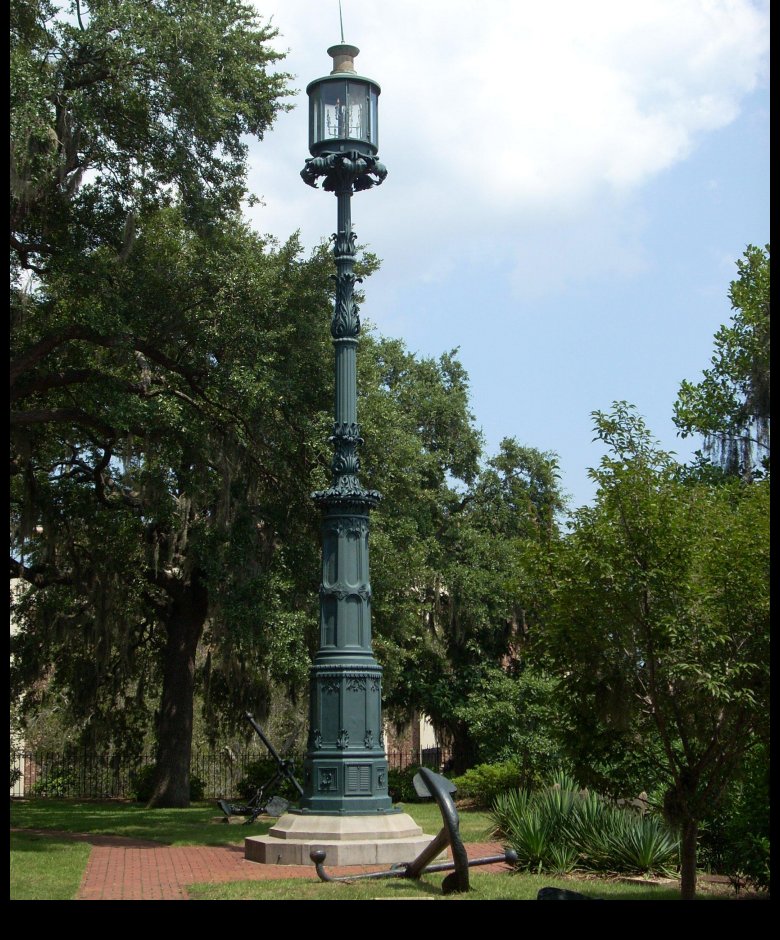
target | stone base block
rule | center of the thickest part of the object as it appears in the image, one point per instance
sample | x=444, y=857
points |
x=346, y=840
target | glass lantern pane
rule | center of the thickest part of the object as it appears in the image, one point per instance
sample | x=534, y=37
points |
x=329, y=112
x=372, y=119
x=357, y=111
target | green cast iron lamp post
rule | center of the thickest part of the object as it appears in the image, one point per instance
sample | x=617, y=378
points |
x=345, y=769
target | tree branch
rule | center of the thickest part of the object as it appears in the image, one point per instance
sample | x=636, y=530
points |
x=74, y=377
x=62, y=416
x=37, y=575
x=47, y=344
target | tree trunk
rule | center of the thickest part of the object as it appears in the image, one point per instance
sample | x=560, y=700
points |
x=689, y=834
x=463, y=749
x=174, y=727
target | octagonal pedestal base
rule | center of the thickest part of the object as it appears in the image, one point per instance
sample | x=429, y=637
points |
x=346, y=840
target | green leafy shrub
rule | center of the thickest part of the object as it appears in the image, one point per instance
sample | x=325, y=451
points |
x=533, y=838
x=509, y=718
x=646, y=844
x=734, y=839
x=624, y=841
x=259, y=772
x=487, y=781
x=563, y=858
x=401, y=787
x=508, y=807
x=197, y=788
x=751, y=861
x=56, y=783
x=142, y=785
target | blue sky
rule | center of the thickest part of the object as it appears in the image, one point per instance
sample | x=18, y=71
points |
x=569, y=188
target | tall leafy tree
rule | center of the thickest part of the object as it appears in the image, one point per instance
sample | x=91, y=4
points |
x=448, y=572
x=119, y=105
x=138, y=418
x=658, y=626
x=118, y=110
x=204, y=489
x=483, y=595
x=420, y=443
x=730, y=406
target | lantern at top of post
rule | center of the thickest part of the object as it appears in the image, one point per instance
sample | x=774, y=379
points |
x=343, y=107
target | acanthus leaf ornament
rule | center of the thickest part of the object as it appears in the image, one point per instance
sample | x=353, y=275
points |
x=342, y=170
x=350, y=526
x=347, y=492
x=346, y=319
x=346, y=431
x=344, y=246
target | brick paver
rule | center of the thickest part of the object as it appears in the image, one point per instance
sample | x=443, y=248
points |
x=141, y=873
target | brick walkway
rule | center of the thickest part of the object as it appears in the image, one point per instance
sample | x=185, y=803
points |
x=125, y=871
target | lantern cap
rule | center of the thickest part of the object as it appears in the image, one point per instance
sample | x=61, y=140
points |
x=343, y=55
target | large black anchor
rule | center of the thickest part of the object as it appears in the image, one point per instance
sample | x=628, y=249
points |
x=427, y=783
x=259, y=803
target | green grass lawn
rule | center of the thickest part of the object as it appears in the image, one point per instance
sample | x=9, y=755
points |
x=193, y=826
x=483, y=887
x=50, y=867
x=474, y=824
x=46, y=868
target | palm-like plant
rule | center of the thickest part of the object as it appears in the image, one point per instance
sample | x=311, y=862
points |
x=562, y=827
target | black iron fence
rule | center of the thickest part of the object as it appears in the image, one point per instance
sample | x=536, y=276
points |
x=72, y=773
x=435, y=758
x=82, y=774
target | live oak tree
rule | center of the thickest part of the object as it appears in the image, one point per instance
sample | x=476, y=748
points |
x=122, y=105
x=192, y=526
x=730, y=406
x=118, y=110
x=657, y=625
x=134, y=288
x=255, y=595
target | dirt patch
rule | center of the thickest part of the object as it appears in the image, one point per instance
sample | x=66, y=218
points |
x=94, y=838
x=710, y=885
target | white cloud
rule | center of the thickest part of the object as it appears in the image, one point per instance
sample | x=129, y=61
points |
x=498, y=111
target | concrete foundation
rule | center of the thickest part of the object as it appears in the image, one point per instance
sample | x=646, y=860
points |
x=346, y=840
